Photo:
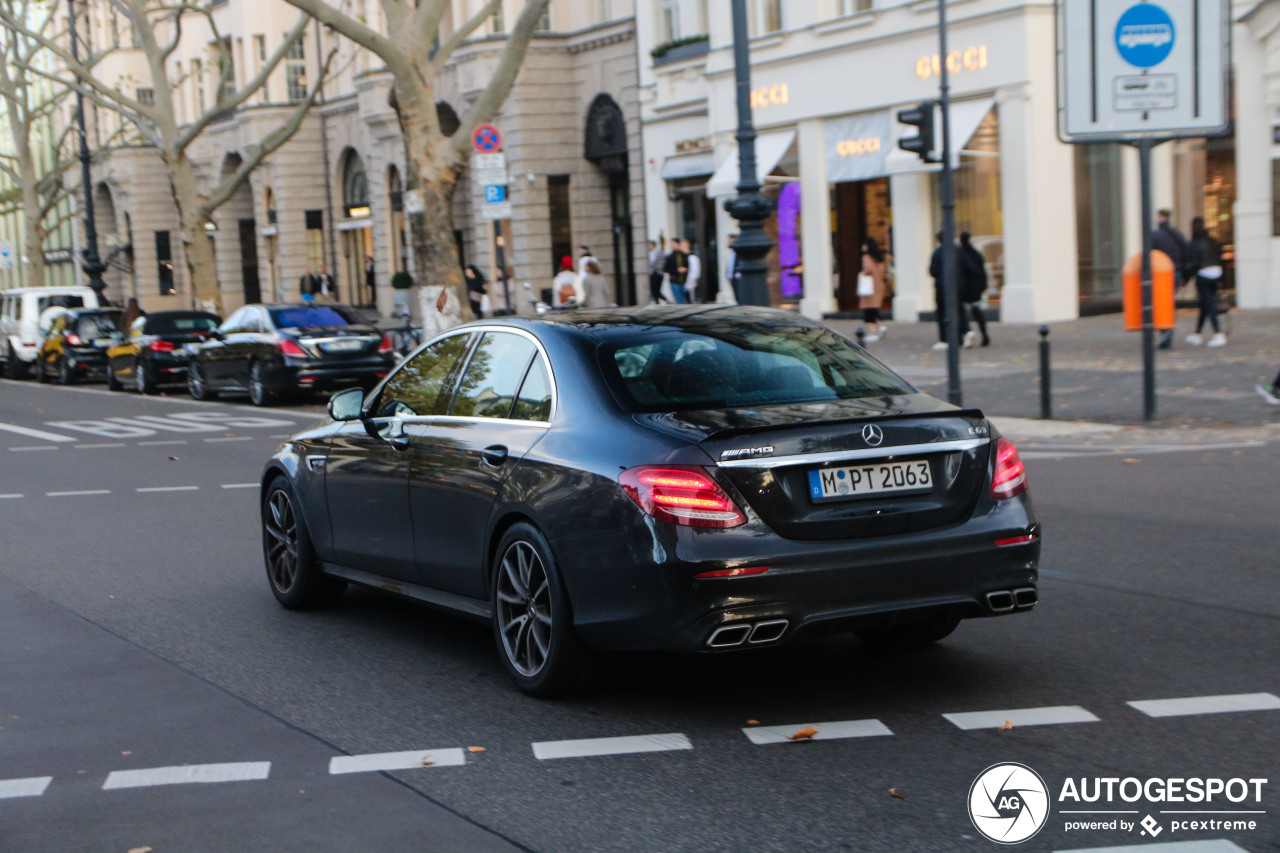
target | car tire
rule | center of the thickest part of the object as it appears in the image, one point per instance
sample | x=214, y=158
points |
x=65, y=376
x=259, y=393
x=914, y=635
x=14, y=367
x=38, y=372
x=196, y=386
x=142, y=378
x=533, y=620
x=113, y=382
x=292, y=567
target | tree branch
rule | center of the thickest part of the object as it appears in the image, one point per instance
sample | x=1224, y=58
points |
x=464, y=32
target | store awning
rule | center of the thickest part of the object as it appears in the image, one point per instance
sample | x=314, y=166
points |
x=770, y=149
x=689, y=165
x=965, y=118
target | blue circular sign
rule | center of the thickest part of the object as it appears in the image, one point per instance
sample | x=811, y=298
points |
x=1145, y=35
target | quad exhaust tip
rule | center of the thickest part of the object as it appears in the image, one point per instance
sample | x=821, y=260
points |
x=1004, y=600
x=1026, y=596
x=758, y=633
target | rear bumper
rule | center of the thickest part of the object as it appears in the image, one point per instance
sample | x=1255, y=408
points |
x=812, y=587
x=169, y=367
x=302, y=375
x=89, y=362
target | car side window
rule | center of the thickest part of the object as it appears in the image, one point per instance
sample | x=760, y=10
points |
x=493, y=376
x=533, y=402
x=416, y=387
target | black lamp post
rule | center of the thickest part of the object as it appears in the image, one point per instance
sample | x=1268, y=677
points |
x=750, y=208
x=93, y=266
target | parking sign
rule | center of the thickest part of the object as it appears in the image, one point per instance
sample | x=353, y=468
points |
x=1134, y=68
x=495, y=194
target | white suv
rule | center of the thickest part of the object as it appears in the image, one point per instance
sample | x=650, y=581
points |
x=20, y=311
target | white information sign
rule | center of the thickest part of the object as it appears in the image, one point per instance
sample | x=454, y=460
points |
x=1131, y=68
x=489, y=161
x=498, y=210
x=413, y=202
x=484, y=177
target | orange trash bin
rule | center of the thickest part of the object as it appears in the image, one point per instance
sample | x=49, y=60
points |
x=1161, y=291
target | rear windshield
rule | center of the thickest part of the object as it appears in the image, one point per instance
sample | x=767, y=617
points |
x=672, y=371
x=64, y=301
x=181, y=325
x=98, y=325
x=309, y=316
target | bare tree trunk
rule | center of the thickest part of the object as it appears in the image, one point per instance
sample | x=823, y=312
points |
x=32, y=221
x=434, y=249
x=202, y=274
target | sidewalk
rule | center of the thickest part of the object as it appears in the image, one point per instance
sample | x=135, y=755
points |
x=1201, y=394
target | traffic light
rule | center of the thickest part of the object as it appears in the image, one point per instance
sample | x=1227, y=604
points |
x=921, y=116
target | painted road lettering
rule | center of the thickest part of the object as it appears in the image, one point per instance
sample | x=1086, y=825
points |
x=145, y=426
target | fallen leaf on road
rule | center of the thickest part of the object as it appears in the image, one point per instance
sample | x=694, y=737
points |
x=1132, y=461
x=806, y=733
x=475, y=749
x=126, y=752
x=1007, y=725
x=139, y=850
x=893, y=792
x=753, y=722
x=173, y=459
x=442, y=299
x=427, y=762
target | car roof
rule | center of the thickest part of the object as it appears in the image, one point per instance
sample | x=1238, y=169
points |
x=601, y=324
x=176, y=313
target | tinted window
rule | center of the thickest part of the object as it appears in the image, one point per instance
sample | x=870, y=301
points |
x=92, y=326
x=415, y=388
x=493, y=375
x=167, y=325
x=61, y=301
x=534, y=400
x=739, y=366
x=310, y=316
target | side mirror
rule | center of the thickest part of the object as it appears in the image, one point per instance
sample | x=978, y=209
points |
x=347, y=405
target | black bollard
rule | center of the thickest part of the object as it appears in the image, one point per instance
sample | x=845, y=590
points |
x=1046, y=400
x=860, y=334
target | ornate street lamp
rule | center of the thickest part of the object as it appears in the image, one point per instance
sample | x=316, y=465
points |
x=93, y=266
x=750, y=208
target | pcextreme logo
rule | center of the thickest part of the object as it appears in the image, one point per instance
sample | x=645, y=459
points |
x=1008, y=803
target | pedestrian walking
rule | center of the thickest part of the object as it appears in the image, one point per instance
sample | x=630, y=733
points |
x=936, y=264
x=308, y=285
x=370, y=279
x=584, y=258
x=564, y=287
x=973, y=283
x=1204, y=261
x=676, y=269
x=656, y=261
x=731, y=270
x=694, y=275
x=1165, y=237
x=595, y=290
x=325, y=287
x=477, y=287
x=132, y=311
x=872, y=288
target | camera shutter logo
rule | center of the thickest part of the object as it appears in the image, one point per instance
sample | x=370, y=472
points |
x=872, y=435
x=1008, y=803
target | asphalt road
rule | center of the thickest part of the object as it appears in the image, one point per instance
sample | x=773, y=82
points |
x=137, y=632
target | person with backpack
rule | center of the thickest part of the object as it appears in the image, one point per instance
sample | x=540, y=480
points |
x=1204, y=261
x=973, y=283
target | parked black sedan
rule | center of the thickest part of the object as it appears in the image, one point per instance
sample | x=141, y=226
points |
x=153, y=351
x=274, y=350
x=75, y=347
x=683, y=478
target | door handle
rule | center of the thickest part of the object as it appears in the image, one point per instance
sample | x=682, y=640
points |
x=395, y=435
x=494, y=455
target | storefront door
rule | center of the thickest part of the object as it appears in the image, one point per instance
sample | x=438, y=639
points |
x=862, y=209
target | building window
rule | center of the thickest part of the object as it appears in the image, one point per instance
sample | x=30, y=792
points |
x=226, y=71
x=315, y=239
x=544, y=23
x=765, y=16
x=147, y=97
x=498, y=22
x=295, y=70
x=259, y=60
x=1099, y=220
x=851, y=7
x=164, y=263
x=197, y=77
x=560, y=221
x=603, y=11
x=670, y=20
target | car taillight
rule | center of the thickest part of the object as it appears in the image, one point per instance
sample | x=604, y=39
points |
x=161, y=346
x=681, y=495
x=74, y=339
x=289, y=347
x=386, y=345
x=1009, y=479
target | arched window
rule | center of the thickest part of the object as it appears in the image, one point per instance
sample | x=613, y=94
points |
x=355, y=187
x=606, y=136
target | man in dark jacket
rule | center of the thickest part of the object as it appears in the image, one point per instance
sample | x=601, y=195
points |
x=677, y=268
x=936, y=264
x=1168, y=239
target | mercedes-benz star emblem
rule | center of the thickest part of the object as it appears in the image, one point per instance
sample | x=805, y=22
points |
x=872, y=435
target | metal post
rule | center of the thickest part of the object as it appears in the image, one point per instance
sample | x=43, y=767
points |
x=1145, y=144
x=1046, y=397
x=93, y=266
x=861, y=335
x=750, y=208
x=950, y=269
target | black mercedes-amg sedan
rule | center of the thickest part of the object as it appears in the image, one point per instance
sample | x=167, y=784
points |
x=689, y=478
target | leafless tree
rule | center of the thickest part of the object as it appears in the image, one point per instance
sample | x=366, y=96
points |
x=416, y=52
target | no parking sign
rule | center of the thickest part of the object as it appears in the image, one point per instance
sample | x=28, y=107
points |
x=487, y=139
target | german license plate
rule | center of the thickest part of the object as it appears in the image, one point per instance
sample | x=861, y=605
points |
x=865, y=480
x=343, y=346
x=103, y=343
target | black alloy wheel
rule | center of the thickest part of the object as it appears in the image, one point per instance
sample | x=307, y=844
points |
x=65, y=376
x=914, y=635
x=113, y=381
x=142, y=378
x=532, y=621
x=292, y=567
x=259, y=394
x=196, y=385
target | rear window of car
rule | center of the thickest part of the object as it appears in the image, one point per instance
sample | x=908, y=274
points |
x=310, y=316
x=98, y=325
x=63, y=301
x=180, y=325
x=670, y=370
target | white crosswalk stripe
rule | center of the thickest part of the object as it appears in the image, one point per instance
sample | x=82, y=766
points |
x=1213, y=845
x=589, y=747
x=452, y=757
x=1049, y=716
x=188, y=774
x=839, y=730
x=1190, y=705
x=32, y=787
